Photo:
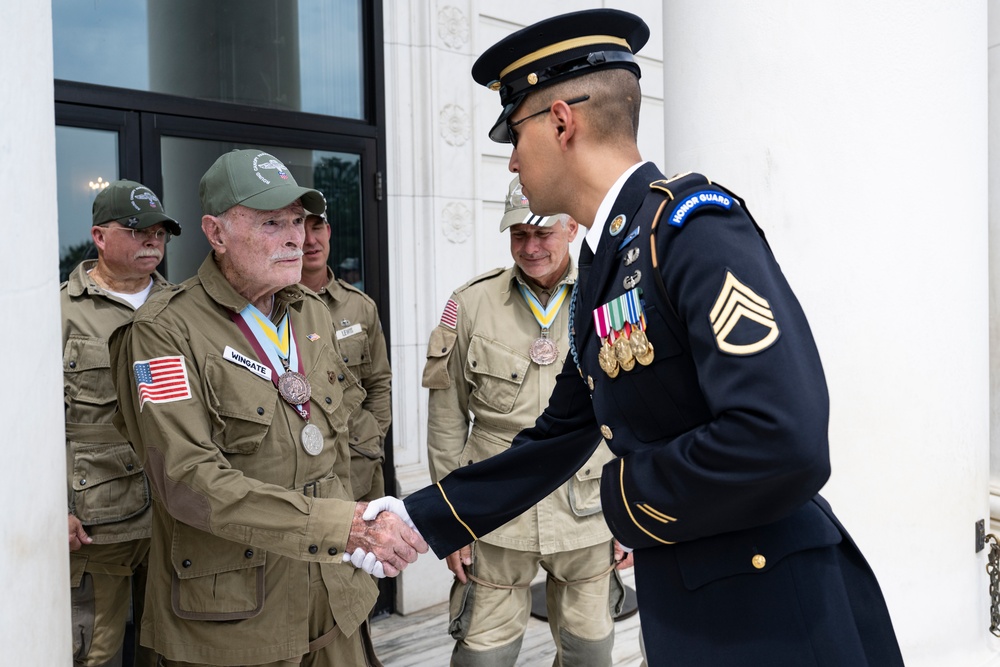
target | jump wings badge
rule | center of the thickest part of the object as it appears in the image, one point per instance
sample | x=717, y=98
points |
x=621, y=324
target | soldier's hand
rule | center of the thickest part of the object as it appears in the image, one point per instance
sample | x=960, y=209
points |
x=77, y=535
x=457, y=562
x=387, y=536
x=623, y=557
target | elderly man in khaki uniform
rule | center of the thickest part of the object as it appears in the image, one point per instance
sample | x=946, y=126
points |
x=109, y=517
x=362, y=344
x=233, y=388
x=491, y=365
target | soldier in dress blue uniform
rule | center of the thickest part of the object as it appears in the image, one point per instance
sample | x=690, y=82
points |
x=693, y=358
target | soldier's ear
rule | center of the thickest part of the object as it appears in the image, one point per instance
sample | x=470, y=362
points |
x=214, y=231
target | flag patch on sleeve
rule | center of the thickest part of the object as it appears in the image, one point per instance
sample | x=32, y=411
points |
x=449, y=317
x=161, y=380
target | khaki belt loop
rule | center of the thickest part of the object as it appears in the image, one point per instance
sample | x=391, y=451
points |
x=324, y=639
x=310, y=489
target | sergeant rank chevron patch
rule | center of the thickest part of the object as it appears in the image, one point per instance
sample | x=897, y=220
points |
x=741, y=320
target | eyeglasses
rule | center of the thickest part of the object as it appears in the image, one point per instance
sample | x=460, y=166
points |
x=512, y=135
x=144, y=234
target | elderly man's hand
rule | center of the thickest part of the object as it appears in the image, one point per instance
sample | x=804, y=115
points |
x=457, y=562
x=394, y=544
x=77, y=535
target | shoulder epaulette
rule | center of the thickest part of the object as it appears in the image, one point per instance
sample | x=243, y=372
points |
x=492, y=273
x=157, y=302
x=354, y=290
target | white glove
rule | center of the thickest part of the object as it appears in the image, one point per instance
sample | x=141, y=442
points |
x=391, y=504
x=365, y=561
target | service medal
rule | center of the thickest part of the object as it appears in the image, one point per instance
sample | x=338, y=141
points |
x=647, y=358
x=543, y=351
x=606, y=358
x=294, y=388
x=623, y=351
x=312, y=440
x=638, y=342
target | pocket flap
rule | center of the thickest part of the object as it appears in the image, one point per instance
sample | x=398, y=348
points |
x=439, y=348
x=370, y=448
x=493, y=358
x=709, y=559
x=85, y=354
x=95, y=464
x=195, y=553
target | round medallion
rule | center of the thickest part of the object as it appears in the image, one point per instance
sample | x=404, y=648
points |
x=646, y=358
x=627, y=365
x=617, y=225
x=312, y=439
x=606, y=358
x=758, y=561
x=606, y=432
x=543, y=351
x=623, y=351
x=532, y=79
x=638, y=342
x=294, y=388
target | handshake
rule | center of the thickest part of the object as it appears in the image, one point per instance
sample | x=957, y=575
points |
x=383, y=539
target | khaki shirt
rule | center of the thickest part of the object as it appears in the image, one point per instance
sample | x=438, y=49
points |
x=362, y=343
x=240, y=509
x=106, y=487
x=484, y=389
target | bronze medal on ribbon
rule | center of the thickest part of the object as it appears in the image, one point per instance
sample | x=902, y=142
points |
x=638, y=342
x=646, y=358
x=312, y=439
x=623, y=352
x=294, y=388
x=606, y=358
x=543, y=351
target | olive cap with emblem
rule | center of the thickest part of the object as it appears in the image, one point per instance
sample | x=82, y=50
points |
x=554, y=50
x=255, y=179
x=133, y=205
x=516, y=210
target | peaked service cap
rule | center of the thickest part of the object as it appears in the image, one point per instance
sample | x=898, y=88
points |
x=554, y=50
x=133, y=205
x=254, y=179
x=516, y=210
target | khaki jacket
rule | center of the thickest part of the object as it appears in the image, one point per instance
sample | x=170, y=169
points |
x=359, y=334
x=106, y=487
x=240, y=509
x=484, y=388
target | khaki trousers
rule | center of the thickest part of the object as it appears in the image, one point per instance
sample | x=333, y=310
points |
x=493, y=611
x=102, y=577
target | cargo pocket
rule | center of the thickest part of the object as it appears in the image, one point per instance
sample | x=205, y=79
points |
x=215, y=579
x=240, y=404
x=86, y=377
x=108, y=483
x=585, y=486
x=439, y=348
x=355, y=352
x=462, y=600
x=495, y=372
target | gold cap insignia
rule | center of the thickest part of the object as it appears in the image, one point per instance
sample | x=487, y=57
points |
x=735, y=304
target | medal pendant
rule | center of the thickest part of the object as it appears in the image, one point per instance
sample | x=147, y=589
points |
x=638, y=342
x=646, y=358
x=543, y=351
x=294, y=388
x=312, y=439
x=606, y=358
x=623, y=351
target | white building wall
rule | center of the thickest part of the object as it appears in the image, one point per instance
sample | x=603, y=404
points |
x=856, y=131
x=34, y=559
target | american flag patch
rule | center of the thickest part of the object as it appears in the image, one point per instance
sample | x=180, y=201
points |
x=161, y=380
x=449, y=317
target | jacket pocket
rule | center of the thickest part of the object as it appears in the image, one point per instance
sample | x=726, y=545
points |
x=215, y=579
x=87, y=371
x=240, y=404
x=355, y=352
x=495, y=372
x=108, y=482
x=585, y=485
x=439, y=349
x=755, y=550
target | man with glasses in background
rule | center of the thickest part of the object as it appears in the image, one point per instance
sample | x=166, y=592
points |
x=109, y=515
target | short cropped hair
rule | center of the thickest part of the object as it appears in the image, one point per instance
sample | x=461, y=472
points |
x=613, y=108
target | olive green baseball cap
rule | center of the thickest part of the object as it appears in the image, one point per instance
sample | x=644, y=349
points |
x=254, y=179
x=133, y=205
